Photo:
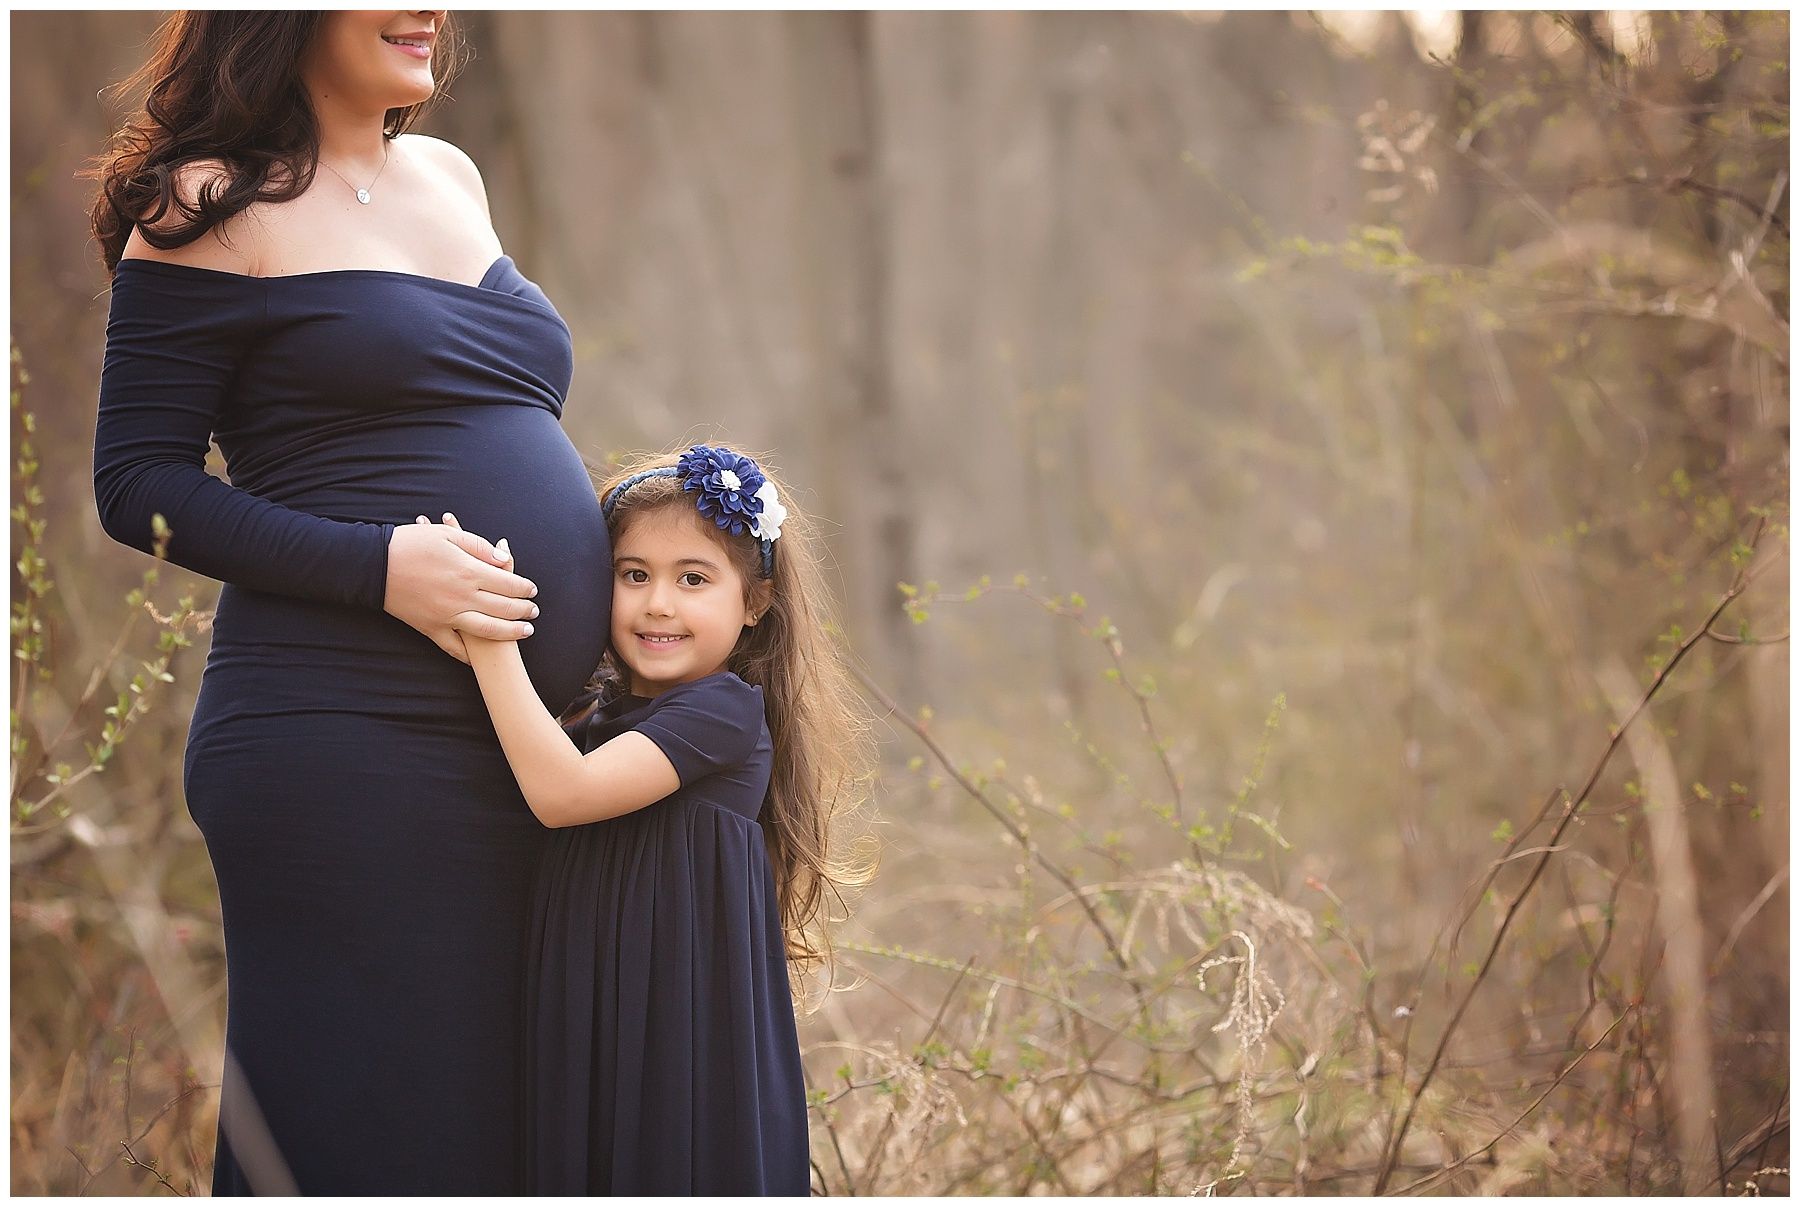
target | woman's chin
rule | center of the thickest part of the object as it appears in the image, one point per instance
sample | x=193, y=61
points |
x=401, y=85
x=411, y=91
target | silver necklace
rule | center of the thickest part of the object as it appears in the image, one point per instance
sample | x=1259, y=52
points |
x=362, y=195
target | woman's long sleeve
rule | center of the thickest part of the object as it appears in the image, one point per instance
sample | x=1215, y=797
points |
x=174, y=342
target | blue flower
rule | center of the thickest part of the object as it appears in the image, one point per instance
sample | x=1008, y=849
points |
x=727, y=483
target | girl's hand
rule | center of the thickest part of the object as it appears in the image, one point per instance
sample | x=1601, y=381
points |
x=441, y=579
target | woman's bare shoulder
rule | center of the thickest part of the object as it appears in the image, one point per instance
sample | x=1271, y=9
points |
x=452, y=160
x=229, y=246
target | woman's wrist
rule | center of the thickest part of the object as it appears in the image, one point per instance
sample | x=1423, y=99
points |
x=373, y=591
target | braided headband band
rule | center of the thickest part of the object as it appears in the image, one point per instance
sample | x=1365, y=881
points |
x=733, y=492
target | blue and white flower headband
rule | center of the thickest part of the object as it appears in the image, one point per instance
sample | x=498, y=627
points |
x=734, y=494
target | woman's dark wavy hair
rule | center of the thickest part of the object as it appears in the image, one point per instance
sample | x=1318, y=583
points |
x=224, y=85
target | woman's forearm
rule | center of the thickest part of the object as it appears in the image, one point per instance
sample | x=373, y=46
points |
x=173, y=348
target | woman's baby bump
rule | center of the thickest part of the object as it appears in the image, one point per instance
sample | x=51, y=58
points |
x=511, y=472
x=505, y=470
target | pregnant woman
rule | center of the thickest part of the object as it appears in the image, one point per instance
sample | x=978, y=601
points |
x=326, y=297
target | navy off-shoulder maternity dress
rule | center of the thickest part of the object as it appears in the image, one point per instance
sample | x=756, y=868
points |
x=661, y=1042
x=374, y=856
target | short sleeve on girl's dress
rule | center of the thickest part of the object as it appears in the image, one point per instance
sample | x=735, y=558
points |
x=707, y=726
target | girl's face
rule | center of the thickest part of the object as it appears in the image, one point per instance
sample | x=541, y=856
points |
x=352, y=61
x=678, y=603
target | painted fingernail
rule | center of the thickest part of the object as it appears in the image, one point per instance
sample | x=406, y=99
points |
x=534, y=610
x=528, y=630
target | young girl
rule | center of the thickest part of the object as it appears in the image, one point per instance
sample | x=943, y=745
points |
x=692, y=813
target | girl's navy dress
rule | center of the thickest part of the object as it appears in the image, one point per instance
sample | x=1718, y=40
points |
x=374, y=856
x=662, y=1050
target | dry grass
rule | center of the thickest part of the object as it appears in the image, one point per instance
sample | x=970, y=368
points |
x=1182, y=1030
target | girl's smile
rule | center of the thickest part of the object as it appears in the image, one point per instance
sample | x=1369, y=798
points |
x=679, y=601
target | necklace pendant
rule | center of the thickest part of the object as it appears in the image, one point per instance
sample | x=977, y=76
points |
x=362, y=195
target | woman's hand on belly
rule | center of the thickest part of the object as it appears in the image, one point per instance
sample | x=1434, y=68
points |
x=441, y=578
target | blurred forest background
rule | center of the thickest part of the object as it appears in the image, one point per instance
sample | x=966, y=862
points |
x=1310, y=492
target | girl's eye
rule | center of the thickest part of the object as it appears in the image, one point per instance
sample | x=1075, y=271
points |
x=627, y=575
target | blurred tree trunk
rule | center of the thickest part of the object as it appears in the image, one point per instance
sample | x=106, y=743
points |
x=1056, y=474
x=556, y=109
x=866, y=462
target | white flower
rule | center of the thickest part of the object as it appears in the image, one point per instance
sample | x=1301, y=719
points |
x=768, y=524
x=730, y=481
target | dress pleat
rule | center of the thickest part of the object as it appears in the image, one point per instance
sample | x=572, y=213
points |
x=660, y=1026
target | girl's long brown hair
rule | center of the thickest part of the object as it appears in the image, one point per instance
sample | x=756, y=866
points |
x=817, y=720
x=223, y=85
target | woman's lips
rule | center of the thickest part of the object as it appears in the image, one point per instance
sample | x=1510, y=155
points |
x=417, y=52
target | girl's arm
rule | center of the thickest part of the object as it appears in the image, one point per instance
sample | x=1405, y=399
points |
x=563, y=786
